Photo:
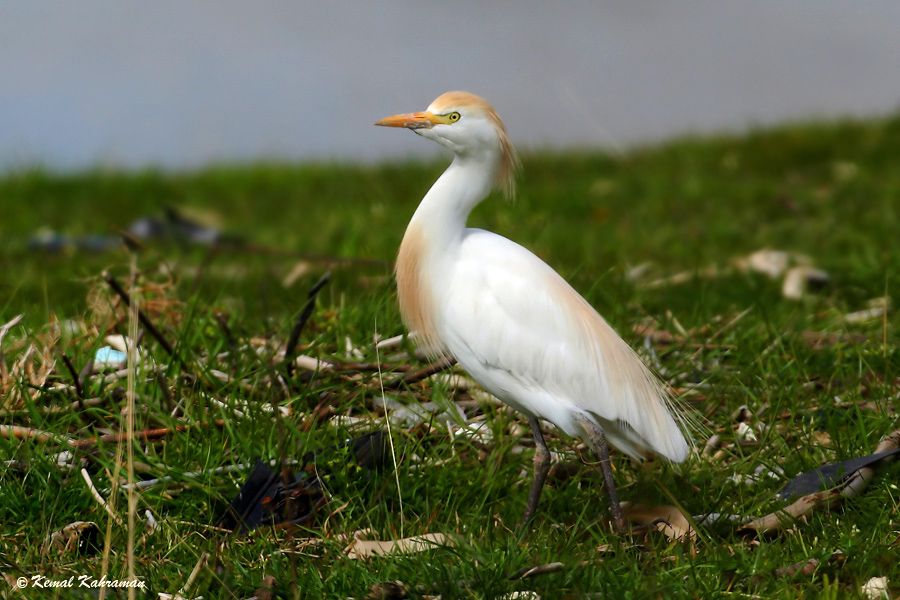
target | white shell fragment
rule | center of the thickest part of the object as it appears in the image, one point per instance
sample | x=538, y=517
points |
x=875, y=588
x=768, y=262
x=745, y=432
x=877, y=309
x=800, y=276
x=801, y=280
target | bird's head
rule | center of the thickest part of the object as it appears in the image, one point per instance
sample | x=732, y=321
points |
x=468, y=125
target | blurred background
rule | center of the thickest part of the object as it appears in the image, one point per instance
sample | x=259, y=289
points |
x=181, y=85
x=236, y=139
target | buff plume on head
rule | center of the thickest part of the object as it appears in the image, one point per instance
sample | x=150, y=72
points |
x=454, y=112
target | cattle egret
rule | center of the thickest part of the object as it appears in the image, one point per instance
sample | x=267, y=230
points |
x=509, y=319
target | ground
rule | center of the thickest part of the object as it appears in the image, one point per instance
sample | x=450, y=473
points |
x=654, y=239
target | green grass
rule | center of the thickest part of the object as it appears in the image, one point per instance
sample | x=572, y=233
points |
x=830, y=191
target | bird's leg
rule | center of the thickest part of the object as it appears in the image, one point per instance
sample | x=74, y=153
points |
x=541, y=468
x=596, y=439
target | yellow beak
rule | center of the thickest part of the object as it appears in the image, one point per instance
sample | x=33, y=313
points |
x=416, y=120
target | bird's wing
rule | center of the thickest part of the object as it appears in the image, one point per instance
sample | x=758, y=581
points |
x=522, y=326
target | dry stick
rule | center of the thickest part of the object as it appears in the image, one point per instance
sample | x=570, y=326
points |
x=369, y=366
x=222, y=320
x=182, y=593
x=29, y=433
x=144, y=435
x=526, y=572
x=423, y=373
x=25, y=433
x=151, y=328
x=98, y=497
x=857, y=482
x=74, y=374
x=722, y=330
x=144, y=320
x=85, y=375
x=289, y=353
x=291, y=348
x=4, y=329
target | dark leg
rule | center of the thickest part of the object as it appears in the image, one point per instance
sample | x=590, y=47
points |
x=541, y=467
x=597, y=441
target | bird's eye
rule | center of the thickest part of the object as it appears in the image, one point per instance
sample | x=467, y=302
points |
x=454, y=117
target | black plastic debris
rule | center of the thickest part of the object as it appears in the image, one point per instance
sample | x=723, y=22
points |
x=175, y=227
x=267, y=499
x=53, y=242
x=170, y=227
x=830, y=475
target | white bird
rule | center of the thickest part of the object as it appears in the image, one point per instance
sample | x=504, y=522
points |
x=512, y=322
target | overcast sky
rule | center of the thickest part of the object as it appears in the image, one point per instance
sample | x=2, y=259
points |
x=181, y=84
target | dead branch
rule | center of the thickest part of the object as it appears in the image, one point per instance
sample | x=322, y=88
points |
x=28, y=433
x=142, y=317
x=291, y=347
x=423, y=373
x=75, y=380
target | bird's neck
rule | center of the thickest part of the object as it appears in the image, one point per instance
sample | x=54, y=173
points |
x=434, y=233
x=442, y=214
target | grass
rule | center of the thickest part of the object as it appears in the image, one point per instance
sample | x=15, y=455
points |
x=830, y=191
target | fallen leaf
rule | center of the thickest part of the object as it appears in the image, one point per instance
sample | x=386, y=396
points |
x=667, y=519
x=4, y=329
x=388, y=590
x=297, y=271
x=804, y=567
x=823, y=438
x=361, y=548
x=830, y=475
x=855, y=484
x=265, y=589
x=655, y=334
x=80, y=537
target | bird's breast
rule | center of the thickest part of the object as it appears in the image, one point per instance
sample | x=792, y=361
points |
x=416, y=297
